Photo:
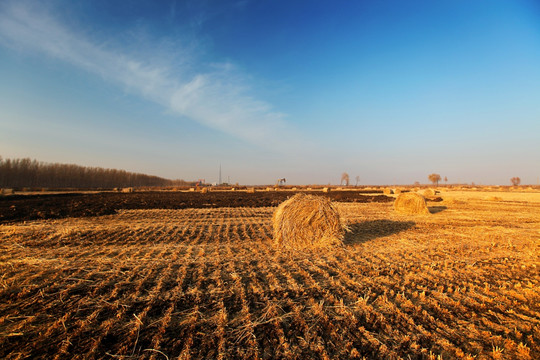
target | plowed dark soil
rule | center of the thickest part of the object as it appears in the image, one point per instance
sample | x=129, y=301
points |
x=32, y=207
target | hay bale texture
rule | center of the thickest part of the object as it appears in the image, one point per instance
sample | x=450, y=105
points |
x=411, y=203
x=307, y=221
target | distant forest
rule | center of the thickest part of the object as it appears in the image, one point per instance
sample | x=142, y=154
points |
x=18, y=173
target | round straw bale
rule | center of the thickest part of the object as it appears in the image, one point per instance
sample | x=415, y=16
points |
x=411, y=203
x=387, y=191
x=429, y=192
x=204, y=190
x=397, y=191
x=306, y=221
x=325, y=190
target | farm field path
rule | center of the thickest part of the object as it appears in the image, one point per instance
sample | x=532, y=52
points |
x=208, y=284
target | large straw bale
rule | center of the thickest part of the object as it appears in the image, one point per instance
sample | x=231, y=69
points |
x=411, y=203
x=306, y=221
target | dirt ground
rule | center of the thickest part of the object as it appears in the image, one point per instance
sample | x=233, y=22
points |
x=207, y=283
x=55, y=206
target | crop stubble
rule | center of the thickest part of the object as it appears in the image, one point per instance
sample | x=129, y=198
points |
x=207, y=283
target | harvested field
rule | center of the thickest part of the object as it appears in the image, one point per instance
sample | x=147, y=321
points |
x=203, y=283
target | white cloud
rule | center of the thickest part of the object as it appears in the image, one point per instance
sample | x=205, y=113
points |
x=217, y=99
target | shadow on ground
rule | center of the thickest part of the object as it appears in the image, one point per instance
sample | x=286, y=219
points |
x=369, y=230
x=436, y=209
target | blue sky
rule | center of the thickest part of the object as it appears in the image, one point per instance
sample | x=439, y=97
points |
x=390, y=91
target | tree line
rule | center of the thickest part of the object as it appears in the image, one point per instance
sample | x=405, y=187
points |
x=18, y=173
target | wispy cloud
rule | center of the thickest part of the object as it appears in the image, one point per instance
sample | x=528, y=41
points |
x=218, y=98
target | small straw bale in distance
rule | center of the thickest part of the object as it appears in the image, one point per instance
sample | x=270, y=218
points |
x=411, y=203
x=204, y=190
x=429, y=192
x=307, y=221
x=387, y=191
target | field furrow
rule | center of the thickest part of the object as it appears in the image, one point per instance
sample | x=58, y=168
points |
x=209, y=283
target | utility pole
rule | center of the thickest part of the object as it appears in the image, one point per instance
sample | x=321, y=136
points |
x=219, y=182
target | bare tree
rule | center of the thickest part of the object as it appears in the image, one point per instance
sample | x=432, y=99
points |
x=344, y=178
x=434, y=178
x=445, y=180
x=357, y=178
x=515, y=181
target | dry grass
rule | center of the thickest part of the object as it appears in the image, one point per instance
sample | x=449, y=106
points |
x=306, y=221
x=411, y=203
